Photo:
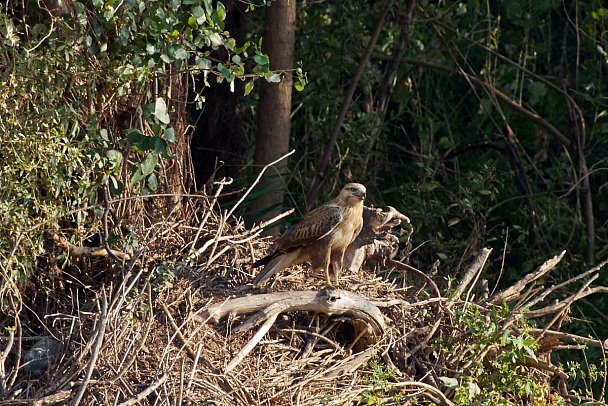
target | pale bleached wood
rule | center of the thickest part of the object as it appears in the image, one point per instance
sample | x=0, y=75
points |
x=327, y=301
x=268, y=306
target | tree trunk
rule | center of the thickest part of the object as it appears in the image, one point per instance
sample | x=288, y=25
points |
x=275, y=109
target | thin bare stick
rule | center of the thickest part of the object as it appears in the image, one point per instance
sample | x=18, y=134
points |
x=142, y=395
x=193, y=372
x=315, y=335
x=209, y=211
x=541, y=297
x=410, y=269
x=435, y=391
x=263, y=224
x=101, y=328
x=262, y=315
x=499, y=95
x=223, y=219
x=216, y=256
x=514, y=291
x=5, y=353
x=571, y=337
x=126, y=365
x=558, y=306
x=180, y=396
x=178, y=332
x=568, y=303
x=226, y=216
x=257, y=180
x=251, y=343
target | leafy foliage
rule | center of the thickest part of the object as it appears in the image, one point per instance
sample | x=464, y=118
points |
x=87, y=103
x=470, y=169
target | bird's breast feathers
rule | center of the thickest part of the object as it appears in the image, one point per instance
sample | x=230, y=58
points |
x=347, y=230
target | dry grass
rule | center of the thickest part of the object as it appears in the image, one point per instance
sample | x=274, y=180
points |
x=128, y=335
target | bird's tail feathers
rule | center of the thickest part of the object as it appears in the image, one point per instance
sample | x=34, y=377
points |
x=262, y=261
x=273, y=266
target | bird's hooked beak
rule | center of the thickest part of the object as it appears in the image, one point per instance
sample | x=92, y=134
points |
x=361, y=195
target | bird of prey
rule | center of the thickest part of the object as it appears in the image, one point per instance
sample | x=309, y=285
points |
x=320, y=238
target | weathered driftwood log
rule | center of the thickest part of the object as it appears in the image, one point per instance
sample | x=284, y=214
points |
x=367, y=317
x=328, y=301
x=375, y=239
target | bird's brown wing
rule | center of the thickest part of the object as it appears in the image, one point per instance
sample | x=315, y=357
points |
x=314, y=226
x=292, y=247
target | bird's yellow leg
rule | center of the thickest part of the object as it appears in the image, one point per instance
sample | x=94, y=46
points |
x=337, y=267
x=326, y=266
x=327, y=278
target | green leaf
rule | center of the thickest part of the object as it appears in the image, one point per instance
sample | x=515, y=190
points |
x=449, y=382
x=208, y=6
x=180, y=53
x=272, y=77
x=114, y=159
x=224, y=71
x=505, y=336
x=148, y=164
x=260, y=69
x=150, y=48
x=216, y=40
x=160, y=111
x=199, y=14
x=170, y=135
x=116, y=186
x=167, y=154
x=137, y=174
x=221, y=11
x=137, y=140
x=537, y=92
x=248, y=87
x=160, y=145
x=453, y=221
x=203, y=63
x=261, y=59
x=153, y=182
x=242, y=49
x=147, y=111
x=474, y=390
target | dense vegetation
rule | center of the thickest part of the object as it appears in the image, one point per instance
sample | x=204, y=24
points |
x=484, y=122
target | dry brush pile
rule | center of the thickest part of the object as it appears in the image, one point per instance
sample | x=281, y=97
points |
x=174, y=323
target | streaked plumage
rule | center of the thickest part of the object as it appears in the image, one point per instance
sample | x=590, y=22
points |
x=320, y=238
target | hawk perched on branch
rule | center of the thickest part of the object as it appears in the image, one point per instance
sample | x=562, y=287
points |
x=320, y=238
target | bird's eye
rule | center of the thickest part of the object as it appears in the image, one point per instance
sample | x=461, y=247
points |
x=353, y=189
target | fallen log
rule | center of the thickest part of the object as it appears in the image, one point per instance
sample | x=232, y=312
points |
x=367, y=318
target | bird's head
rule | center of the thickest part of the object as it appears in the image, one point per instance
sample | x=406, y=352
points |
x=353, y=193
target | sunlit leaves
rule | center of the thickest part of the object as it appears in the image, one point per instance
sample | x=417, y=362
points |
x=144, y=168
x=170, y=135
x=272, y=77
x=248, y=87
x=89, y=72
x=160, y=111
x=301, y=80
